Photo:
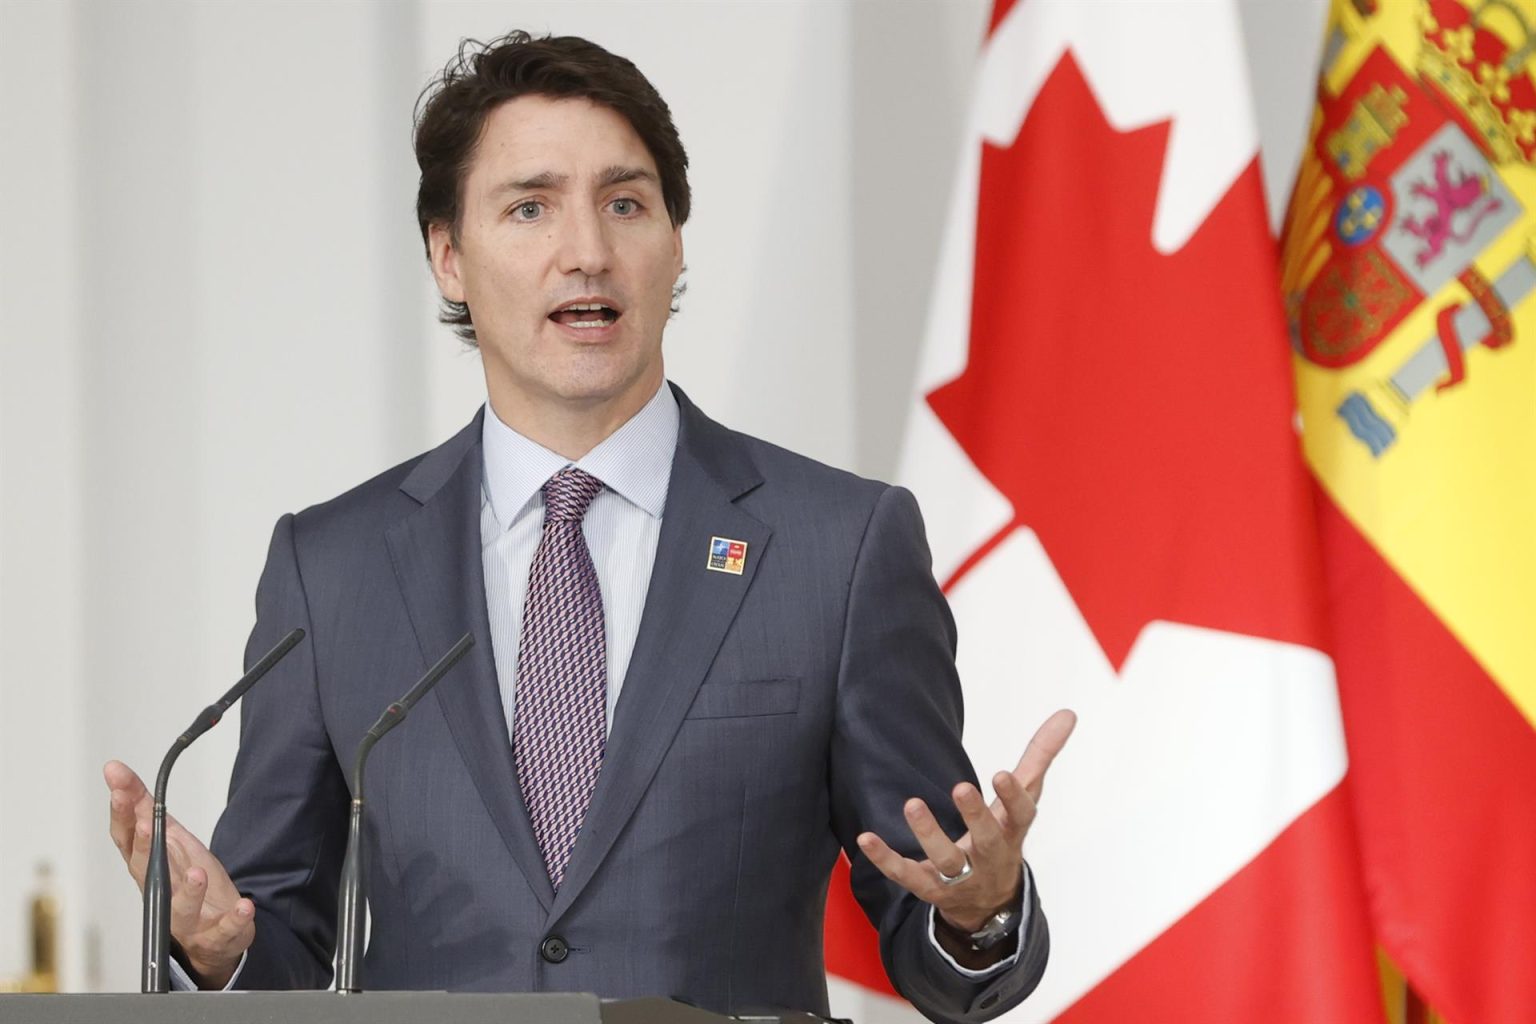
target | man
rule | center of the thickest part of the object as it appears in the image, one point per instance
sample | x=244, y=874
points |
x=704, y=665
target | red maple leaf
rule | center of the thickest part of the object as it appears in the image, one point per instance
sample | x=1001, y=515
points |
x=1134, y=407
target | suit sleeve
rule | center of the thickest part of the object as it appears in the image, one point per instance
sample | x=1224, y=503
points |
x=899, y=718
x=283, y=833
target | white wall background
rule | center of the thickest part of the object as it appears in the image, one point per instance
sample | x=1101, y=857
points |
x=213, y=310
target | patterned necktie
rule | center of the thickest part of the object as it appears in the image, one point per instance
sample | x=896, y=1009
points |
x=559, y=723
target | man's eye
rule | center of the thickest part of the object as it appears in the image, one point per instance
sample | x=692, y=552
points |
x=625, y=207
x=528, y=211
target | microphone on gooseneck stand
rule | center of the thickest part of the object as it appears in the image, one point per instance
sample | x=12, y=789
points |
x=157, y=874
x=353, y=900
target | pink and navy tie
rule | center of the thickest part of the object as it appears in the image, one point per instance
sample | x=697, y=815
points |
x=559, y=724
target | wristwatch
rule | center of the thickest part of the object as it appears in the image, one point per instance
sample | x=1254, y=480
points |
x=995, y=929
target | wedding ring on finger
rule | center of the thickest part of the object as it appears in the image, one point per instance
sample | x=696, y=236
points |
x=958, y=876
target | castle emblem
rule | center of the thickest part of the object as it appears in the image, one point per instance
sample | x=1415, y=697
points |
x=1400, y=200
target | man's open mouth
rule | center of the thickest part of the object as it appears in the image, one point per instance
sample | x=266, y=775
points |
x=585, y=315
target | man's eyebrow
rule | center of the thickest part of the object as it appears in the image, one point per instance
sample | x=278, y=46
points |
x=542, y=180
x=618, y=175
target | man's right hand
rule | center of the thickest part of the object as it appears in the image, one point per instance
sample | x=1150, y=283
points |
x=210, y=920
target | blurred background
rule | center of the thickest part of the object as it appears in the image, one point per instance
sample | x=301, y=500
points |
x=214, y=309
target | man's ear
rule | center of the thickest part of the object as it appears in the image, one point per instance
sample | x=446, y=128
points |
x=445, y=261
x=677, y=252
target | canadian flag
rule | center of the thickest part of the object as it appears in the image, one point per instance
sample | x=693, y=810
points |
x=1102, y=442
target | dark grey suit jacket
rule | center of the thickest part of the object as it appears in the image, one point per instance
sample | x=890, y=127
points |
x=766, y=719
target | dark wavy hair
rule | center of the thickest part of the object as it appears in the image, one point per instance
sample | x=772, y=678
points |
x=451, y=113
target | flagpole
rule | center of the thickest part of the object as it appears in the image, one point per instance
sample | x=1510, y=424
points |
x=1415, y=1010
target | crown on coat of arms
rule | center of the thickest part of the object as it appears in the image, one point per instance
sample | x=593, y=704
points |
x=1485, y=78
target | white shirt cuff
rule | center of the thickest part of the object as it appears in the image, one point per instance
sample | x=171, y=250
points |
x=1001, y=965
x=181, y=981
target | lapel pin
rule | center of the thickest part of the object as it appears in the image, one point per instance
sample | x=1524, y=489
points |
x=726, y=555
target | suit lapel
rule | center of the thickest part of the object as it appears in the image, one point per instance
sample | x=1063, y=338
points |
x=688, y=609
x=437, y=563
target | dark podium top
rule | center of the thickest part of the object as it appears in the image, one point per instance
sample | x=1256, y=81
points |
x=364, y=1008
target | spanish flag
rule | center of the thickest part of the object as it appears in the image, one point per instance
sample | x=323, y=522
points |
x=1409, y=278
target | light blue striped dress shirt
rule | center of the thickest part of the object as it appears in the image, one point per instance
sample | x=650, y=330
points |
x=621, y=527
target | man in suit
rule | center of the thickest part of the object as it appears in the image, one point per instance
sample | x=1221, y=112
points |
x=704, y=665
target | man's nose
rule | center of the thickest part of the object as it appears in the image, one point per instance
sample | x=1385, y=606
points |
x=585, y=245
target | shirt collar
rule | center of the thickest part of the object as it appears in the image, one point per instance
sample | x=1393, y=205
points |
x=634, y=461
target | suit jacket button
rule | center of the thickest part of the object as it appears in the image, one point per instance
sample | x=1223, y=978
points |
x=554, y=949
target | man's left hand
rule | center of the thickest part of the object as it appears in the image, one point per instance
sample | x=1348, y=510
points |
x=993, y=846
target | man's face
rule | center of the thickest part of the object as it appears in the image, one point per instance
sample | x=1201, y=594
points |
x=561, y=212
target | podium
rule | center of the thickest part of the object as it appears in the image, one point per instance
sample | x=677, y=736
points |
x=364, y=1008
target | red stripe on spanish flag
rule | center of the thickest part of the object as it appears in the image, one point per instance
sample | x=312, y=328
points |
x=1443, y=769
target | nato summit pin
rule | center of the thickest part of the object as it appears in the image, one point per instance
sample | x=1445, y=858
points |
x=726, y=555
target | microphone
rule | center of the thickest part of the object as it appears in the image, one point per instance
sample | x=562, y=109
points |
x=157, y=874
x=349, y=914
